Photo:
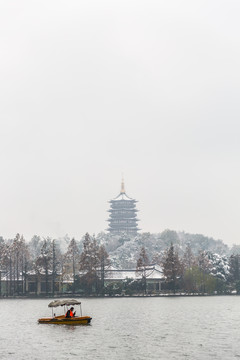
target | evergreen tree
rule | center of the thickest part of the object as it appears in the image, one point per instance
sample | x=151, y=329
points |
x=204, y=266
x=203, y=261
x=142, y=264
x=2, y=246
x=8, y=262
x=6, y=265
x=55, y=250
x=89, y=263
x=16, y=248
x=24, y=260
x=94, y=260
x=234, y=264
x=104, y=263
x=172, y=268
x=72, y=256
x=54, y=266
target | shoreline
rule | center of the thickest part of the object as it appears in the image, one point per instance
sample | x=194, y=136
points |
x=109, y=297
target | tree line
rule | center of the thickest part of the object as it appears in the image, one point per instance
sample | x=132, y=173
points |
x=84, y=268
x=205, y=273
x=84, y=263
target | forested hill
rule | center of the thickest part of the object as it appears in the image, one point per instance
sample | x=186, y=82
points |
x=124, y=250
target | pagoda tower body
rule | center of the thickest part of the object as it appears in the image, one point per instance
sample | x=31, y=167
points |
x=123, y=215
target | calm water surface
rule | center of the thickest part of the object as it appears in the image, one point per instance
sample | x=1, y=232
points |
x=125, y=328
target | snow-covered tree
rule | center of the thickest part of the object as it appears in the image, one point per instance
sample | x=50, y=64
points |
x=189, y=259
x=89, y=262
x=218, y=266
x=44, y=261
x=93, y=260
x=35, y=246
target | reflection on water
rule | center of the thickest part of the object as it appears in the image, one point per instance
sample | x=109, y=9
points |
x=69, y=327
x=125, y=328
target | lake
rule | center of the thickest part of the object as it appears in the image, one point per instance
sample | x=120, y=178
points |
x=125, y=328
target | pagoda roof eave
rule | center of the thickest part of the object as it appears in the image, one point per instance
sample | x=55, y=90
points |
x=119, y=208
x=118, y=201
x=134, y=228
x=123, y=194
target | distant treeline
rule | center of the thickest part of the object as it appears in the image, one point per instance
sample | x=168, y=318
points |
x=43, y=257
x=206, y=273
x=189, y=263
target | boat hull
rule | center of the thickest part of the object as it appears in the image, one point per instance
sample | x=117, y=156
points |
x=62, y=320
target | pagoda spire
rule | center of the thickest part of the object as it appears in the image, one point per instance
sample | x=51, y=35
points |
x=122, y=187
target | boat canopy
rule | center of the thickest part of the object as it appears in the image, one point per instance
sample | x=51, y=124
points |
x=64, y=302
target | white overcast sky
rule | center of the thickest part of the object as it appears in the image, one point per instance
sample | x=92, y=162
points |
x=92, y=89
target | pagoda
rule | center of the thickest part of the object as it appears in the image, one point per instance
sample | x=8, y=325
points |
x=123, y=214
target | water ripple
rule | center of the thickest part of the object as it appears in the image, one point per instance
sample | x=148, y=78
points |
x=130, y=328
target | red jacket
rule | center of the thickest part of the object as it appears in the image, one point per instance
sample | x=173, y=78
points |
x=70, y=314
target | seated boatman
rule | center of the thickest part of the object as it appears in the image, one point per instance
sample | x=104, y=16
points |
x=69, y=313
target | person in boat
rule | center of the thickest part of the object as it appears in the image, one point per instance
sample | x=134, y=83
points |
x=70, y=313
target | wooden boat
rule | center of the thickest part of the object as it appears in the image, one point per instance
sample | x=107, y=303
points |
x=62, y=319
x=78, y=320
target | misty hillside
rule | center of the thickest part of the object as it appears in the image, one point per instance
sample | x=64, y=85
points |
x=124, y=250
